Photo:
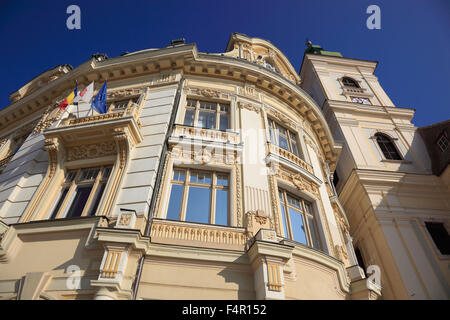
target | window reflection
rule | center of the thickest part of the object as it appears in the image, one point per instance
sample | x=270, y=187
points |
x=283, y=138
x=207, y=115
x=81, y=192
x=298, y=220
x=199, y=196
x=198, y=206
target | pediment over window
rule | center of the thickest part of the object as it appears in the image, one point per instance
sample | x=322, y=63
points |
x=261, y=52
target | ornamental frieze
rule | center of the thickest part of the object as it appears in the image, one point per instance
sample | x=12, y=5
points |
x=123, y=93
x=250, y=107
x=298, y=181
x=281, y=117
x=205, y=155
x=90, y=151
x=208, y=93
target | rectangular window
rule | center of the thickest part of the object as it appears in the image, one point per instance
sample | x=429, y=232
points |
x=440, y=236
x=81, y=192
x=283, y=138
x=199, y=196
x=122, y=104
x=298, y=220
x=207, y=115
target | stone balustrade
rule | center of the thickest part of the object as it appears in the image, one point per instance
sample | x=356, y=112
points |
x=200, y=235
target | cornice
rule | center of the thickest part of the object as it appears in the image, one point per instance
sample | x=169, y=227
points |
x=129, y=236
x=273, y=83
x=186, y=57
x=357, y=108
x=371, y=65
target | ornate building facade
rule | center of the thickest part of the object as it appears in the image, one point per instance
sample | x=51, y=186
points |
x=392, y=177
x=210, y=177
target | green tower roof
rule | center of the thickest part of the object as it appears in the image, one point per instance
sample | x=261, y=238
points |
x=316, y=49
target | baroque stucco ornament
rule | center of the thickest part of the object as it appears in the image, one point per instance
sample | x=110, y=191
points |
x=91, y=151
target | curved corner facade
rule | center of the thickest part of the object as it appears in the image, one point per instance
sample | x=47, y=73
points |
x=210, y=177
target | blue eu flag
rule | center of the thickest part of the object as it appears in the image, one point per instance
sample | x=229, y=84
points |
x=99, y=103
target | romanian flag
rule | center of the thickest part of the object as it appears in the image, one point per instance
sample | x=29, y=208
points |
x=68, y=100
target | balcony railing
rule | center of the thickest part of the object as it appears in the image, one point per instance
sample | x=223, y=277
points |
x=182, y=131
x=291, y=157
x=198, y=235
x=132, y=110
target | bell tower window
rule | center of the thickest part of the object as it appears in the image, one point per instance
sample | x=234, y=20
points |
x=349, y=82
x=387, y=146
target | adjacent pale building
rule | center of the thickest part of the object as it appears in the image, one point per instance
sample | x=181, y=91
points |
x=398, y=206
x=210, y=177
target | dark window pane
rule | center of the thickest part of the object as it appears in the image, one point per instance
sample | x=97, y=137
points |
x=360, y=259
x=178, y=175
x=283, y=143
x=206, y=120
x=106, y=172
x=208, y=105
x=350, y=83
x=440, y=236
x=200, y=177
x=281, y=130
x=298, y=228
x=314, y=234
x=223, y=107
x=59, y=203
x=222, y=180
x=221, y=207
x=79, y=201
x=294, y=148
x=198, y=206
x=272, y=136
x=176, y=196
x=70, y=176
x=191, y=103
x=89, y=174
x=285, y=222
x=387, y=147
x=308, y=208
x=223, y=125
x=189, y=118
x=294, y=202
x=96, y=200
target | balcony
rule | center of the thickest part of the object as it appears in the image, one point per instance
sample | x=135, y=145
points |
x=102, y=127
x=198, y=235
x=182, y=132
x=291, y=157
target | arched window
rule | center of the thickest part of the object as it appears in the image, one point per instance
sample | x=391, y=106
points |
x=348, y=82
x=387, y=147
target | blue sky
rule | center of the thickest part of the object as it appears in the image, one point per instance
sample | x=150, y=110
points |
x=412, y=47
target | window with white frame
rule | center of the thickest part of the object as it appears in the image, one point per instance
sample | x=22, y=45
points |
x=81, y=192
x=283, y=137
x=199, y=196
x=207, y=114
x=299, y=223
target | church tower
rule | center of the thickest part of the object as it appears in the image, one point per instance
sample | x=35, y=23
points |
x=383, y=178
